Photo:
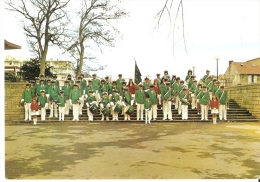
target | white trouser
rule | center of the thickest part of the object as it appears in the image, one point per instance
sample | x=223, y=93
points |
x=113, y=113
x=148, y=116
x=27, y=108
x=140, y=111
x=159, y=99
x=61, y=113
x=177, y=102
x=193, y=102
x=67, y=107
x=154, y=111
x=81, y=100
x=43, y=113
x=167, y=110
x=184, y=111
x=210, y=95
x=222, y=112
x=127, y=117
x=75, y=108
x=204, y=112
x=53, y=106
x=90, y=115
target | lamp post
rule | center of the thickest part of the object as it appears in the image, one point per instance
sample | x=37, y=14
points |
x=217, y=58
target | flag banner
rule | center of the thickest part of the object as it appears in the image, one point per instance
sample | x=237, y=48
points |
x=138, y=74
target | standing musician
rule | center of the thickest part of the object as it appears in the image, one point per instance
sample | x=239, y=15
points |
x=158, y=92
x=173, y=80
x=57, y=84
x=159, y=80
x=33, y=88
x=185, y=101
x=167, y=96
x=192, y=89
x=109, y=85
x=71, y=81
x=66, y=89
x=177, y=87
x=198, y=91
x=83, y=82
x=204, y=100
x=40, y=87
x=153, y=99
x=215, y=87
x=42, y=77
x=223, y=100
x=188, y=77
x=146, y=84
x=131, y=87
x=90, y=100
x=126, y=101
x=74, y=101
x=209, y=84
x=119, y=83
x=88, y=88
x=139, y=100
x=165, y=75
x=53, y=93
x=37, y=82
x=27, y=97
x=205, y=77
x=43, y=104
x=190, y=83
x=179, y=90
x=103, y=87
x=114, y=100
x=96, y=86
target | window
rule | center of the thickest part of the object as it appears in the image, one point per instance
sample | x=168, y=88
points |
x=252, y=79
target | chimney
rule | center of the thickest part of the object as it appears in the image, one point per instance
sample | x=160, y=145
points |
x=230, y=62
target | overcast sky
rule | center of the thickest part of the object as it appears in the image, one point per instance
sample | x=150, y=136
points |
x=226, y=28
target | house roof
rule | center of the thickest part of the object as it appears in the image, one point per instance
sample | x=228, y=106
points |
x=246, y=68
x=9, y=45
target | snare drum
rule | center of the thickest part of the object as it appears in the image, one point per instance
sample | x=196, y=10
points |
x=130, y=110
x=105, y=111
x=93, y=108
x=118, y=108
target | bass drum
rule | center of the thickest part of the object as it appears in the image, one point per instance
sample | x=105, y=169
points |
x=130, y=110
x=118, y=108
x=105, y=111
x=93, y=108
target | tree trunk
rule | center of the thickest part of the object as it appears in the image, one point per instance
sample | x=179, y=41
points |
x=43, y=61
x=81, y=56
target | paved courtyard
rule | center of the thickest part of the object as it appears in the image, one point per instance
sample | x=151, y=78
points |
x=122, y=150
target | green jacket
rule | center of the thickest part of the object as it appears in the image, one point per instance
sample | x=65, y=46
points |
x=42, y=99
x=41, y=87
x=204, y=98
x=61, y=100
x=205, y=78
x=109, y=87
x=90, y=99
x=222, y=97
x=147, y=104
x=153, y=96
x=126, y=98
x=104, y=101
x=103, y=88
x=74, y=96
x=183, y=96
x=114, y=98
x=193, y=88
x=209, y=85
x=167, y=93
x=140, y=96
x=66, y=90
x=54, y=92
x=215, y=88
x=96, y=85
x=27, y=95
x=146, y=85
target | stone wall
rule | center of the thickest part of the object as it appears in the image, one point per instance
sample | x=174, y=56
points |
x=13, y=95
x=247, y=96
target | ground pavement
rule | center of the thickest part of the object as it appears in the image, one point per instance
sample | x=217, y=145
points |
x=124, y=150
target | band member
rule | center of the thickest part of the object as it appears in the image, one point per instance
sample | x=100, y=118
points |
x=139, y=100
x=40, y=87
x=190, y=83
x=131, y=87
x=214, y=108
x=91, y=99
x=104, y=105
x=147, y=108
x=126, y=102
x=167, y=96
x=192, y=89
x=158, y=92
x=114, y=86
x=197, y=95
x=223, y=100
x=83, y=82
x=204, y=101
x=103, y=87
x=146, y=84
x=185, y=101
x=42, y=77
x=119, y=84
x=114, y=100
x=33, y=88
x=27, y=96
x=34, y=110
x=177, y=88
x=96, y=86
x=57, y=84
x=205, y=77
x=153, y=100
x=71, y=81
x=74, y=101
x=109, y=85
x=43, y=103
x=66, y=89
x=216, y=87
x=159, y=80
x=37, y=82
x=188, y=77
x=81, y=99
x=53, y=93
x=209, y=84
x=61, y=102
x=173, y=80
x=165, y=75
x=88, y=88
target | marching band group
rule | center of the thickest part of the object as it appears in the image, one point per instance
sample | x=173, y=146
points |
x=118, y=97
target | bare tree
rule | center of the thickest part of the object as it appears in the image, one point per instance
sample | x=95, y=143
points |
x=44, y=23
x=95, y=28
x=168, y=8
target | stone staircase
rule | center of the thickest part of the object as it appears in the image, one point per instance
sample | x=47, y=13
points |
x=234, y=114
